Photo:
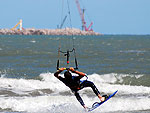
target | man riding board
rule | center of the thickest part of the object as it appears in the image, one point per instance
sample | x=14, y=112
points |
x=75, y=84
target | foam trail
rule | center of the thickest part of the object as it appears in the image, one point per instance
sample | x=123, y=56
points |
x=69, y=103
x=51, y=95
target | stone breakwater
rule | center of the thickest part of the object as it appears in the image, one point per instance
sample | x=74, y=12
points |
x=65, y=31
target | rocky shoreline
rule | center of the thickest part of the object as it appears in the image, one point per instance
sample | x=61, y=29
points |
x=32, y=31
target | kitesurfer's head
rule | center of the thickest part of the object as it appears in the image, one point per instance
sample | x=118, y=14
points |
x=68, y=75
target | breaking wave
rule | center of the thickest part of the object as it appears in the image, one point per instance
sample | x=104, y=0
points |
x=50, y=95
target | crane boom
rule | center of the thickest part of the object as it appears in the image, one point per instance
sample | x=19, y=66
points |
x=81, y=12
x=19, y=23
x=63, y=22
x=88, y=29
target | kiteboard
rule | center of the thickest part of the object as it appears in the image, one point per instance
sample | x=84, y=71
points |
x=97, y=104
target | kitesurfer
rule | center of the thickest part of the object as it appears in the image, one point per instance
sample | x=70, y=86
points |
x=75, y=84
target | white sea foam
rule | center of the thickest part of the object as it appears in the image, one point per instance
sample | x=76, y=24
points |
x=68, y=104
x=128, y=98
x=133, y=51
x=33, y=41
x=106, y=83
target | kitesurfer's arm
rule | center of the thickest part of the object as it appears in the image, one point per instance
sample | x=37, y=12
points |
x=56, y=74
x=81, y=74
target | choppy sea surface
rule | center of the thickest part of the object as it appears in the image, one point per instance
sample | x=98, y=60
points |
x=112, y=62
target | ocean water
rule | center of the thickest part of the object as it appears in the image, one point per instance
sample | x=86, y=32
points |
x=112, y=62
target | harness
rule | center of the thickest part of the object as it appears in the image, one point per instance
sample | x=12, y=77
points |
x=75, y=84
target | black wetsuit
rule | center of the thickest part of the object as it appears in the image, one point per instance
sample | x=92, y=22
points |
x=75, y=85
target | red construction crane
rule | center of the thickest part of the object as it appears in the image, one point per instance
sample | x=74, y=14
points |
x=81, y=12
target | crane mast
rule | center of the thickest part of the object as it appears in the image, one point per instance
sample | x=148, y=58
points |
x=81, y=12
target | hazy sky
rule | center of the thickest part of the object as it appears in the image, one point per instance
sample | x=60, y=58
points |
x=108, y=16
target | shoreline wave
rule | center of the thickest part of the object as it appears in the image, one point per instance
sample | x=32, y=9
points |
x=50, y=95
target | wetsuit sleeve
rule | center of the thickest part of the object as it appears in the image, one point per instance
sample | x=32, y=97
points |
x=61, y=79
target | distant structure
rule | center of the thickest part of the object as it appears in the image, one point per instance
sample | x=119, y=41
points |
x=82, y=17
x=18, y=24
x=81, y=12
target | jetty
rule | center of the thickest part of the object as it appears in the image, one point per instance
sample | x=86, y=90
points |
x=33, y=31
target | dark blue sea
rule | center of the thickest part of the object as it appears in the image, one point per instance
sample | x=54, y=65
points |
x=112, y=62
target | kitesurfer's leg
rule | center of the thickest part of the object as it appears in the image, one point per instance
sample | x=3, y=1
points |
x=79, y=99
x=94, y=88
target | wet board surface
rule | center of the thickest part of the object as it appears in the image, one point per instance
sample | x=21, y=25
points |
x=97, y=104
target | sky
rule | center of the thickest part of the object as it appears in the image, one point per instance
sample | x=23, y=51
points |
x=108, y=16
